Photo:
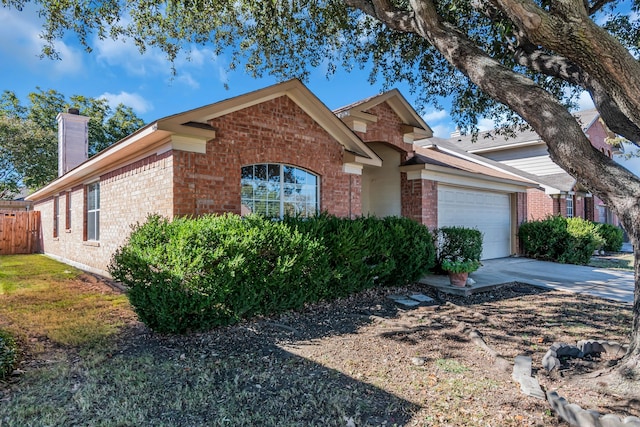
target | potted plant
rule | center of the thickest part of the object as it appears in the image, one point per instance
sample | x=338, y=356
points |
x=459, y=270
x=459, y=252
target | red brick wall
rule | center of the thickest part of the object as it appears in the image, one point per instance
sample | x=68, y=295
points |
x=355, y=201
x=420, y=201
x=387, y=129
x=276, y=131
x=127, y=195
x=578, y=207
x=560, y=206
x=597, y=135
x=522, y=208
x=539, y=205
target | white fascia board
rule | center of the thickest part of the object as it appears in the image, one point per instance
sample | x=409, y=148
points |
x=479, y=161
x=352, y=168
x=507, y=146
x=350, y=157
x=190, y=144
x=466, y=179
x=550, y=191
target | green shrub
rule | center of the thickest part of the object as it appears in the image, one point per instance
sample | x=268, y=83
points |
x=559, y=239
x=544, y=239
x=612, y=235
x=8, y=353
x=458, y=244
x=466, y=266
x=193, y=274
x=213, y=270
x=368, y=251
x=584, y=240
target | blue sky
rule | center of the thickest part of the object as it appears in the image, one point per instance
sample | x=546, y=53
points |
x=117, y=71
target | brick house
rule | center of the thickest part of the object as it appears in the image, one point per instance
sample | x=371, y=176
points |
x=274, y=151
x=526, y=156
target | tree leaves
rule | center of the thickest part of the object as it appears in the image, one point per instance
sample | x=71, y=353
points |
x=28, y=135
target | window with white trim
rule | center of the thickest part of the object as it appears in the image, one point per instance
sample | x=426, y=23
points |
x=56, y=215
x=93, y=211
x=569, y=206
x=67, y=211
x=275, y=190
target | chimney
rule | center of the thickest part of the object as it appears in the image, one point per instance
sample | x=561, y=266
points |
x=456, y=133
x=73, y=140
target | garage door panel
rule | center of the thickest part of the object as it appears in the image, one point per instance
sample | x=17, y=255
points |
x=488, y=212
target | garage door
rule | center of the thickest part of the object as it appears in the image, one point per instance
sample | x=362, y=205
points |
x=488, y=212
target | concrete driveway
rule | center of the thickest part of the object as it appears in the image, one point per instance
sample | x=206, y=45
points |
x=611, y=284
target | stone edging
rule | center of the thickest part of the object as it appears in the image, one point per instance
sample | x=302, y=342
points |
x=551, y=360
x=570, y=412
x=576, y=416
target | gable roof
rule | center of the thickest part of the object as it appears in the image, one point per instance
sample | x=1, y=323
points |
x=552, y=184
x=398, y=104
x=436, y=159
x=190, y=131
x=489, y=141
x=297, y=92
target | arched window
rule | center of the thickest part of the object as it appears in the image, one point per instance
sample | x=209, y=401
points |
x=275, y=190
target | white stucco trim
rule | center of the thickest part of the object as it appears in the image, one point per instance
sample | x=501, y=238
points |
x=352, y=168
x=190, y=144
x=467, y=179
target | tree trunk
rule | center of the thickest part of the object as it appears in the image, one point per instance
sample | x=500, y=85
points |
x=631, y=361
x=568, y=146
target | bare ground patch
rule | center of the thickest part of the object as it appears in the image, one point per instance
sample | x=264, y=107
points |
x=357, y=361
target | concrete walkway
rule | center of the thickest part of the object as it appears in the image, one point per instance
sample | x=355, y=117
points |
x=615, y=285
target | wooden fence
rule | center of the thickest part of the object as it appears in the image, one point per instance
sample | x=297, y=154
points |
x=19, y=232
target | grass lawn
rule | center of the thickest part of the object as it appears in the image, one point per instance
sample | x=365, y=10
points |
x=614, y=261
x=358, y=361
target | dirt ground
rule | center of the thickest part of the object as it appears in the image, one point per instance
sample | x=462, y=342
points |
x=426, y=355
x=414, y=366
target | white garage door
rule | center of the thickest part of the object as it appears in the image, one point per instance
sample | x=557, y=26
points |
x=488, y=212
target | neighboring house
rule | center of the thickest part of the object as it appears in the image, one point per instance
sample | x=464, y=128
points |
x=18, y=203
x=274, y=151
x=526, y=155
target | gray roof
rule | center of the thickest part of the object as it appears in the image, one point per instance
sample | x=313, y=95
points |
x=489, y=141
x=561, y=181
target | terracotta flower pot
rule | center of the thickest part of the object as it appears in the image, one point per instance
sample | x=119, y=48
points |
x=458, y=279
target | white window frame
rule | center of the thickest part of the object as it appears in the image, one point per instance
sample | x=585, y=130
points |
x=283, y=200
x=56, y=216
x=67, y=210
x=93, y=212
x=570, y=206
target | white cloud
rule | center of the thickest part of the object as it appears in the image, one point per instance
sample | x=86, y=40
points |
x=20, y=35
x=188, y=80
x=435, y=116
x=443, y=131
x=135, y=101
x=585, y=102
x=222, y=74
x=486, y=124
x=125, y=54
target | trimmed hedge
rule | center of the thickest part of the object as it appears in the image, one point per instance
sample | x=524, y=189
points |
x=612, y=235
x=194, y=274
x=559, y=239
x=8, y=354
